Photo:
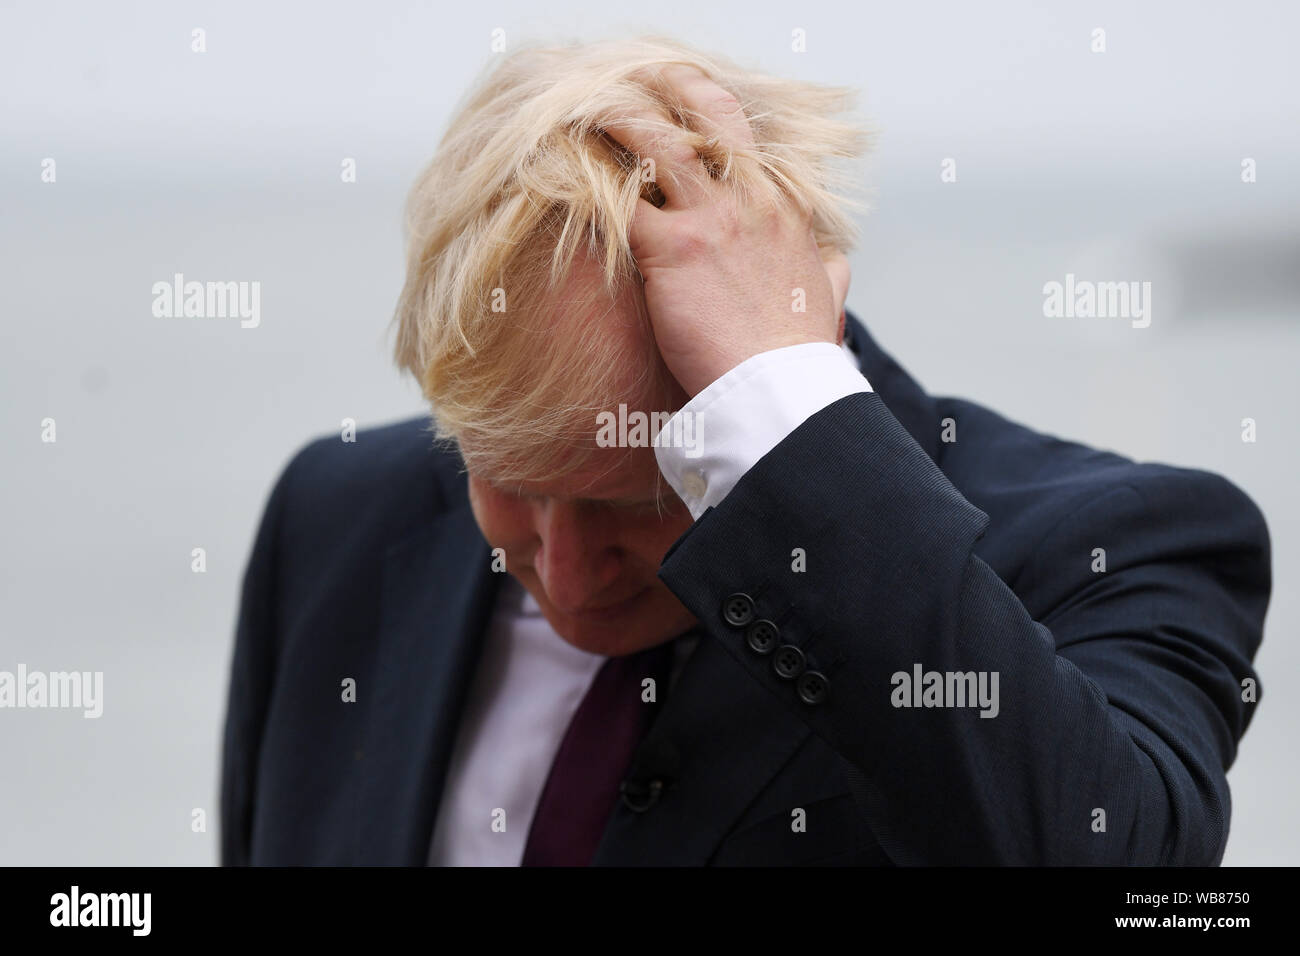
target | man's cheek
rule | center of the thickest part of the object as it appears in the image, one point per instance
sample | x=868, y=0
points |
x=659, y=535
x=504, y=520
x=501, y=537
x=514, y=540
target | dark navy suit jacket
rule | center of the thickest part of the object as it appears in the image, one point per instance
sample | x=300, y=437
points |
x=1121, y=691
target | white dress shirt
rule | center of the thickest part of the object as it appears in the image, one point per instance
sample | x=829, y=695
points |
x=530, y=681
x=528, y=684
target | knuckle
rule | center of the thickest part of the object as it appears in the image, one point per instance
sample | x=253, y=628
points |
x=685, y=238
x=725, y=102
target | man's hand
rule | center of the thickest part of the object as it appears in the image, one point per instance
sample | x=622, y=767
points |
x=723, y=279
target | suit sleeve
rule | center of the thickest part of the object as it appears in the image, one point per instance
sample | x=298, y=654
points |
x=1120, y=702
x=251, y=679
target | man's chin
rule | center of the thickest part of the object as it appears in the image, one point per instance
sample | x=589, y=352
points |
x=643, y=620
x=640, y=628
x=607, y=639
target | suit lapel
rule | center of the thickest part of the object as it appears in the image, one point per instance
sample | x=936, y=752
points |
x=438, y=592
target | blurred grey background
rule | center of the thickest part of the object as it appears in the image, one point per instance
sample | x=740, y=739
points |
x=1122, y=165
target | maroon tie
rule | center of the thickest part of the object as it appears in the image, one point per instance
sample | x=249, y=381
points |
x=596, y=751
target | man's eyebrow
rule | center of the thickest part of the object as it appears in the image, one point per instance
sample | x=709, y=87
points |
x=630, y=502
x=517, y=489
x=663, y=495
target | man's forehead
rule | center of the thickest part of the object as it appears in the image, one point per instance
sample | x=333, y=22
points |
x=615, y=475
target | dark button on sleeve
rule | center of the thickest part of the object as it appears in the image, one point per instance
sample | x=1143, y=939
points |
x=788, y=662
x=738, y=610
x=813, y=687
x=762, y=636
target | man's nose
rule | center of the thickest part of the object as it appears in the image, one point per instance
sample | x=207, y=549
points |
x=578, y=560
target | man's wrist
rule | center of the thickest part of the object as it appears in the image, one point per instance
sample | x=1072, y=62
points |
x=748, y=411
x=722, y=364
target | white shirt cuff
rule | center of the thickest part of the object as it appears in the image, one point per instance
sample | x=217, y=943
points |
x=746, y=413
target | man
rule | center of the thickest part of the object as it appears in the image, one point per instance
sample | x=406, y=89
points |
x=823, y=618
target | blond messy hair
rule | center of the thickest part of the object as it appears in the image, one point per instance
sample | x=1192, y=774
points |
x=526, y=179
